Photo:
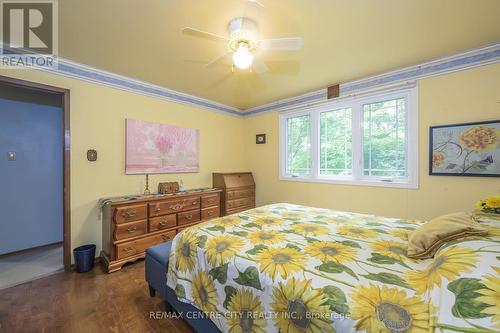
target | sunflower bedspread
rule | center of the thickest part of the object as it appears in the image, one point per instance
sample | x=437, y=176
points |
x=288, y=268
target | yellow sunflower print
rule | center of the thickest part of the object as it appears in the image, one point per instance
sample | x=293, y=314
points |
x=266, y=237
x=384, y=310
x=227, y=221
x=355, y=231
x=395, y=250
x=307, y=229
x=333, y=220
x=331, y=251
x=282, y=261
x=259, y=212
x=493, y=201
x=448, y=263
x=298, y=308
x=268, y=221
x=204, y=292
x=293, y=215
x=399, y=233
x=491, y=296
x=185, y=252
x=221, y=249
x=246, y=314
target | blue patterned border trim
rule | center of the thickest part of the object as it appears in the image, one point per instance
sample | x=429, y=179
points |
x=474, y=58
x=420, y=72
x=153, y=91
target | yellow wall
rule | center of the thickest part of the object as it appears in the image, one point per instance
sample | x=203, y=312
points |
x=98, y=121
x=228, y=144
x=468, y=96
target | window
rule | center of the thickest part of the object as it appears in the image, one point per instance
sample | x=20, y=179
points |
x=363, y=141
x=384, y=138
x=336, y=142
x=298, y=145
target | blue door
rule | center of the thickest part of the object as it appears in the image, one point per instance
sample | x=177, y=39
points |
x=31, y=169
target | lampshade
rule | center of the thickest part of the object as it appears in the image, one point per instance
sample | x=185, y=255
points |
x=242, y=58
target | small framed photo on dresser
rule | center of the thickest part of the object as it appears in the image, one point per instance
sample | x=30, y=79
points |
x=469, y=149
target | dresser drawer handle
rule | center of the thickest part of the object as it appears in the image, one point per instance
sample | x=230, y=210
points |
x=132, y=229
x=177, y=207
x=130, y=214
x=128, y=249
x=189, y=217
x=165, y=238
x=158, y=209
x=209, y=213
x=210, y=200
x=194, y=203
x=163, y=223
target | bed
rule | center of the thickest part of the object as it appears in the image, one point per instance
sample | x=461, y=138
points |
x=290, y=268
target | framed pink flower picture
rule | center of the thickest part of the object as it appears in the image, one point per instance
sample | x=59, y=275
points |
x=160, y=148
x=471, y=149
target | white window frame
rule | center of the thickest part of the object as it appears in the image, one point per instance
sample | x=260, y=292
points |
x=357, y=178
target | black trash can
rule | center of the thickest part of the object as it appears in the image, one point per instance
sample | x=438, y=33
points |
x=84, y=258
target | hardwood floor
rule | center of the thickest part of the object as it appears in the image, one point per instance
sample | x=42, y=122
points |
x=85, y=303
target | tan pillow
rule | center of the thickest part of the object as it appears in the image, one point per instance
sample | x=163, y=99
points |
x=426, y=240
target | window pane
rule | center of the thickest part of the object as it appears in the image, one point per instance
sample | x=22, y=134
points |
x=384, y=138
x=298, y=145
x=336, y=143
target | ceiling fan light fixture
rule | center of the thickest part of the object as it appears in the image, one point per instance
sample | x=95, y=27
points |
x=242, y=57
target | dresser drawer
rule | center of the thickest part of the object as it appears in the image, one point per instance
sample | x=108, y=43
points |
x=210, y=213
x=162, y=222
x=132, y=229
x=210, y=200
x=130, y=213
x=239, y=209
x=238, y=194
x=230, y=204
x=188, y=217
x=173, y=206
x=131, y=248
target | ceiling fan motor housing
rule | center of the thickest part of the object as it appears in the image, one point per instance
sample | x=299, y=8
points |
x=242, y=30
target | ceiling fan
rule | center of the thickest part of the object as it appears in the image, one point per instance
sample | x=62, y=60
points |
x=243, y=44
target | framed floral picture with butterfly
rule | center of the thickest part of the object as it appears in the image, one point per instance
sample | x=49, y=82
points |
x=470, y=149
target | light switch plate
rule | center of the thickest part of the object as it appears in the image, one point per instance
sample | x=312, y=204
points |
x=11, y=156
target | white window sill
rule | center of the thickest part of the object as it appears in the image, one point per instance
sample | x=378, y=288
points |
x=349, y=181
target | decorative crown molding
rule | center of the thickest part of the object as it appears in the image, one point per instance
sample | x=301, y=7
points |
x=72, y=69
x=408, y=75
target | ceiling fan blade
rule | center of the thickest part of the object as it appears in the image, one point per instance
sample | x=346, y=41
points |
x=281, y=44
x=255, y=2
x=220, y=81
x=259, y=67
x=218, y=59
x=203, y=34
x=252, y=9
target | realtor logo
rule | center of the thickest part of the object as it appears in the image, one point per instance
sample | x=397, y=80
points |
x=29, y=33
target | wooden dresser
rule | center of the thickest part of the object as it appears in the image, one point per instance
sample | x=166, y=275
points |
x=131, y=226
x=238, y=191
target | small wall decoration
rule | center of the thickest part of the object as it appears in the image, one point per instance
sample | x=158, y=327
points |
x=470, y=149
x=160, y=148
x=260, y=139
x=92, y=155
